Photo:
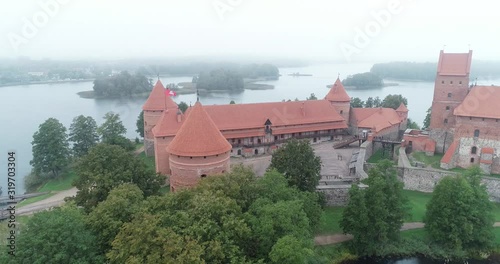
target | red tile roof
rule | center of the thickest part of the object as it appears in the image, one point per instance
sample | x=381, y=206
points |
x=337, y=93
x=487, y=150
x=482, y=101
x=375, y=118
x=168, y=124
x=455, y=64
x=157, y=101
x=244, y=116
x=402, y=108
x=198, y=136
x=450, y=152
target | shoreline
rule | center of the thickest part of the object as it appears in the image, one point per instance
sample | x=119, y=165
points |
x=46, y=82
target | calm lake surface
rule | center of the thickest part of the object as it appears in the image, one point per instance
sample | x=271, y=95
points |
x=24, y=108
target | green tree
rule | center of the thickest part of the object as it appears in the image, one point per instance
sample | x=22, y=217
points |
x=110, y=215
x=112, y=127
x=394, y=101
x=232, y=102
x=83, y=134
x=356, y=102
x=377, y=102
x=289, y=249
x=121, y=141
x=312, y=97
x=427, y=120
x=146, y=240
x=411, y=124
x=369, y=102
x=297, y=161
x=140, y=124
x=459, y=214
x=106, y=167
x=355, y=218
x=363, y=80
x=57, y=236
x=380, y=209
x=183, y=106
x=50, y=148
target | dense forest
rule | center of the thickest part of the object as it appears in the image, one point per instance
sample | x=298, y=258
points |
x=427, y=71
x=122, y=85
x=220, y=80
x=363, y=80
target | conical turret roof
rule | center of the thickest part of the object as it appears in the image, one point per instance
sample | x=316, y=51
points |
x=402, y=108
x=198, y=136
x=157, y=99
x=337, y=93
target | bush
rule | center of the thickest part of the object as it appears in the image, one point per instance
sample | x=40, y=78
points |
x=122, y=142
x=33, y=181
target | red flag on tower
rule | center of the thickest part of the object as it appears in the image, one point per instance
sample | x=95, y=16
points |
x=169, y=92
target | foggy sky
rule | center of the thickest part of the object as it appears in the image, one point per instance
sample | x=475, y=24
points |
x=303, y=29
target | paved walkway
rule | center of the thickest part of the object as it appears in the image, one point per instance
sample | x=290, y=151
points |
x=45, y=204
x=339, y=238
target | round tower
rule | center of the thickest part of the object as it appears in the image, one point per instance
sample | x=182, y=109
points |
x=339, y=99
x=153, y=109
x=402, y=112
x=164, y=132
x=198, y=150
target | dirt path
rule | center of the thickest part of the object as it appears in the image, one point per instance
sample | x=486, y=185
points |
x=339, y=238
x=53, y=201
x=139, y=151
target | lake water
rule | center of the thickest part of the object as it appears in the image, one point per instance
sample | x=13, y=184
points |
x=24, y=108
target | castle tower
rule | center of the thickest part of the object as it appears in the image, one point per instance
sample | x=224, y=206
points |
x=450, y=88
x=198, y=150
x=153, y=109
x=164, y=132
x=402, y=112
x=339, y=99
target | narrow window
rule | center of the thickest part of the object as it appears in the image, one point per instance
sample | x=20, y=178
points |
x=476, y=133
x=447, y=107
x=341, y=111
x=203, y=175
x=473, y=150
x=259, y=141
x=256, y=151
x=445, y=121
x=460, y=82
x=449, y=95
x=442, y=82
x=239, y=151
x=451, y=82
x=471, y=160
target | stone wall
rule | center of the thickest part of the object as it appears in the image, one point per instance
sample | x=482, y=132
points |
x=424, y=179
x=336, y=195
x=365, y=151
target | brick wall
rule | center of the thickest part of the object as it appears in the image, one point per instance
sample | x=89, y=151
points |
x=150, y=120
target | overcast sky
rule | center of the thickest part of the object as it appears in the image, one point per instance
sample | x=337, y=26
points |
x=337, y=31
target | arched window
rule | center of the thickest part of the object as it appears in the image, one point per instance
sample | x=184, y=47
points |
x=239, y=152
x=256, y=151
x=476, y=133
x=473, y=150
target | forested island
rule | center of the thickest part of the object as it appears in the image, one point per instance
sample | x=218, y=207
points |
x=363, y=81
x=123, y=84
x=426, y=71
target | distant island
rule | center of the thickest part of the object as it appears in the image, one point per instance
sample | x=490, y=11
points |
x=120, y=85
x=426, y=71
x=236, y=79
x=365, y=80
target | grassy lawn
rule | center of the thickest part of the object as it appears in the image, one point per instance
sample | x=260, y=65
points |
x=59, y=184
x=330, y=219
x=34, y=199
x=417, y=202
x=433, y=161
x=376, y=157
x=138, y=145
x=150, y=161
